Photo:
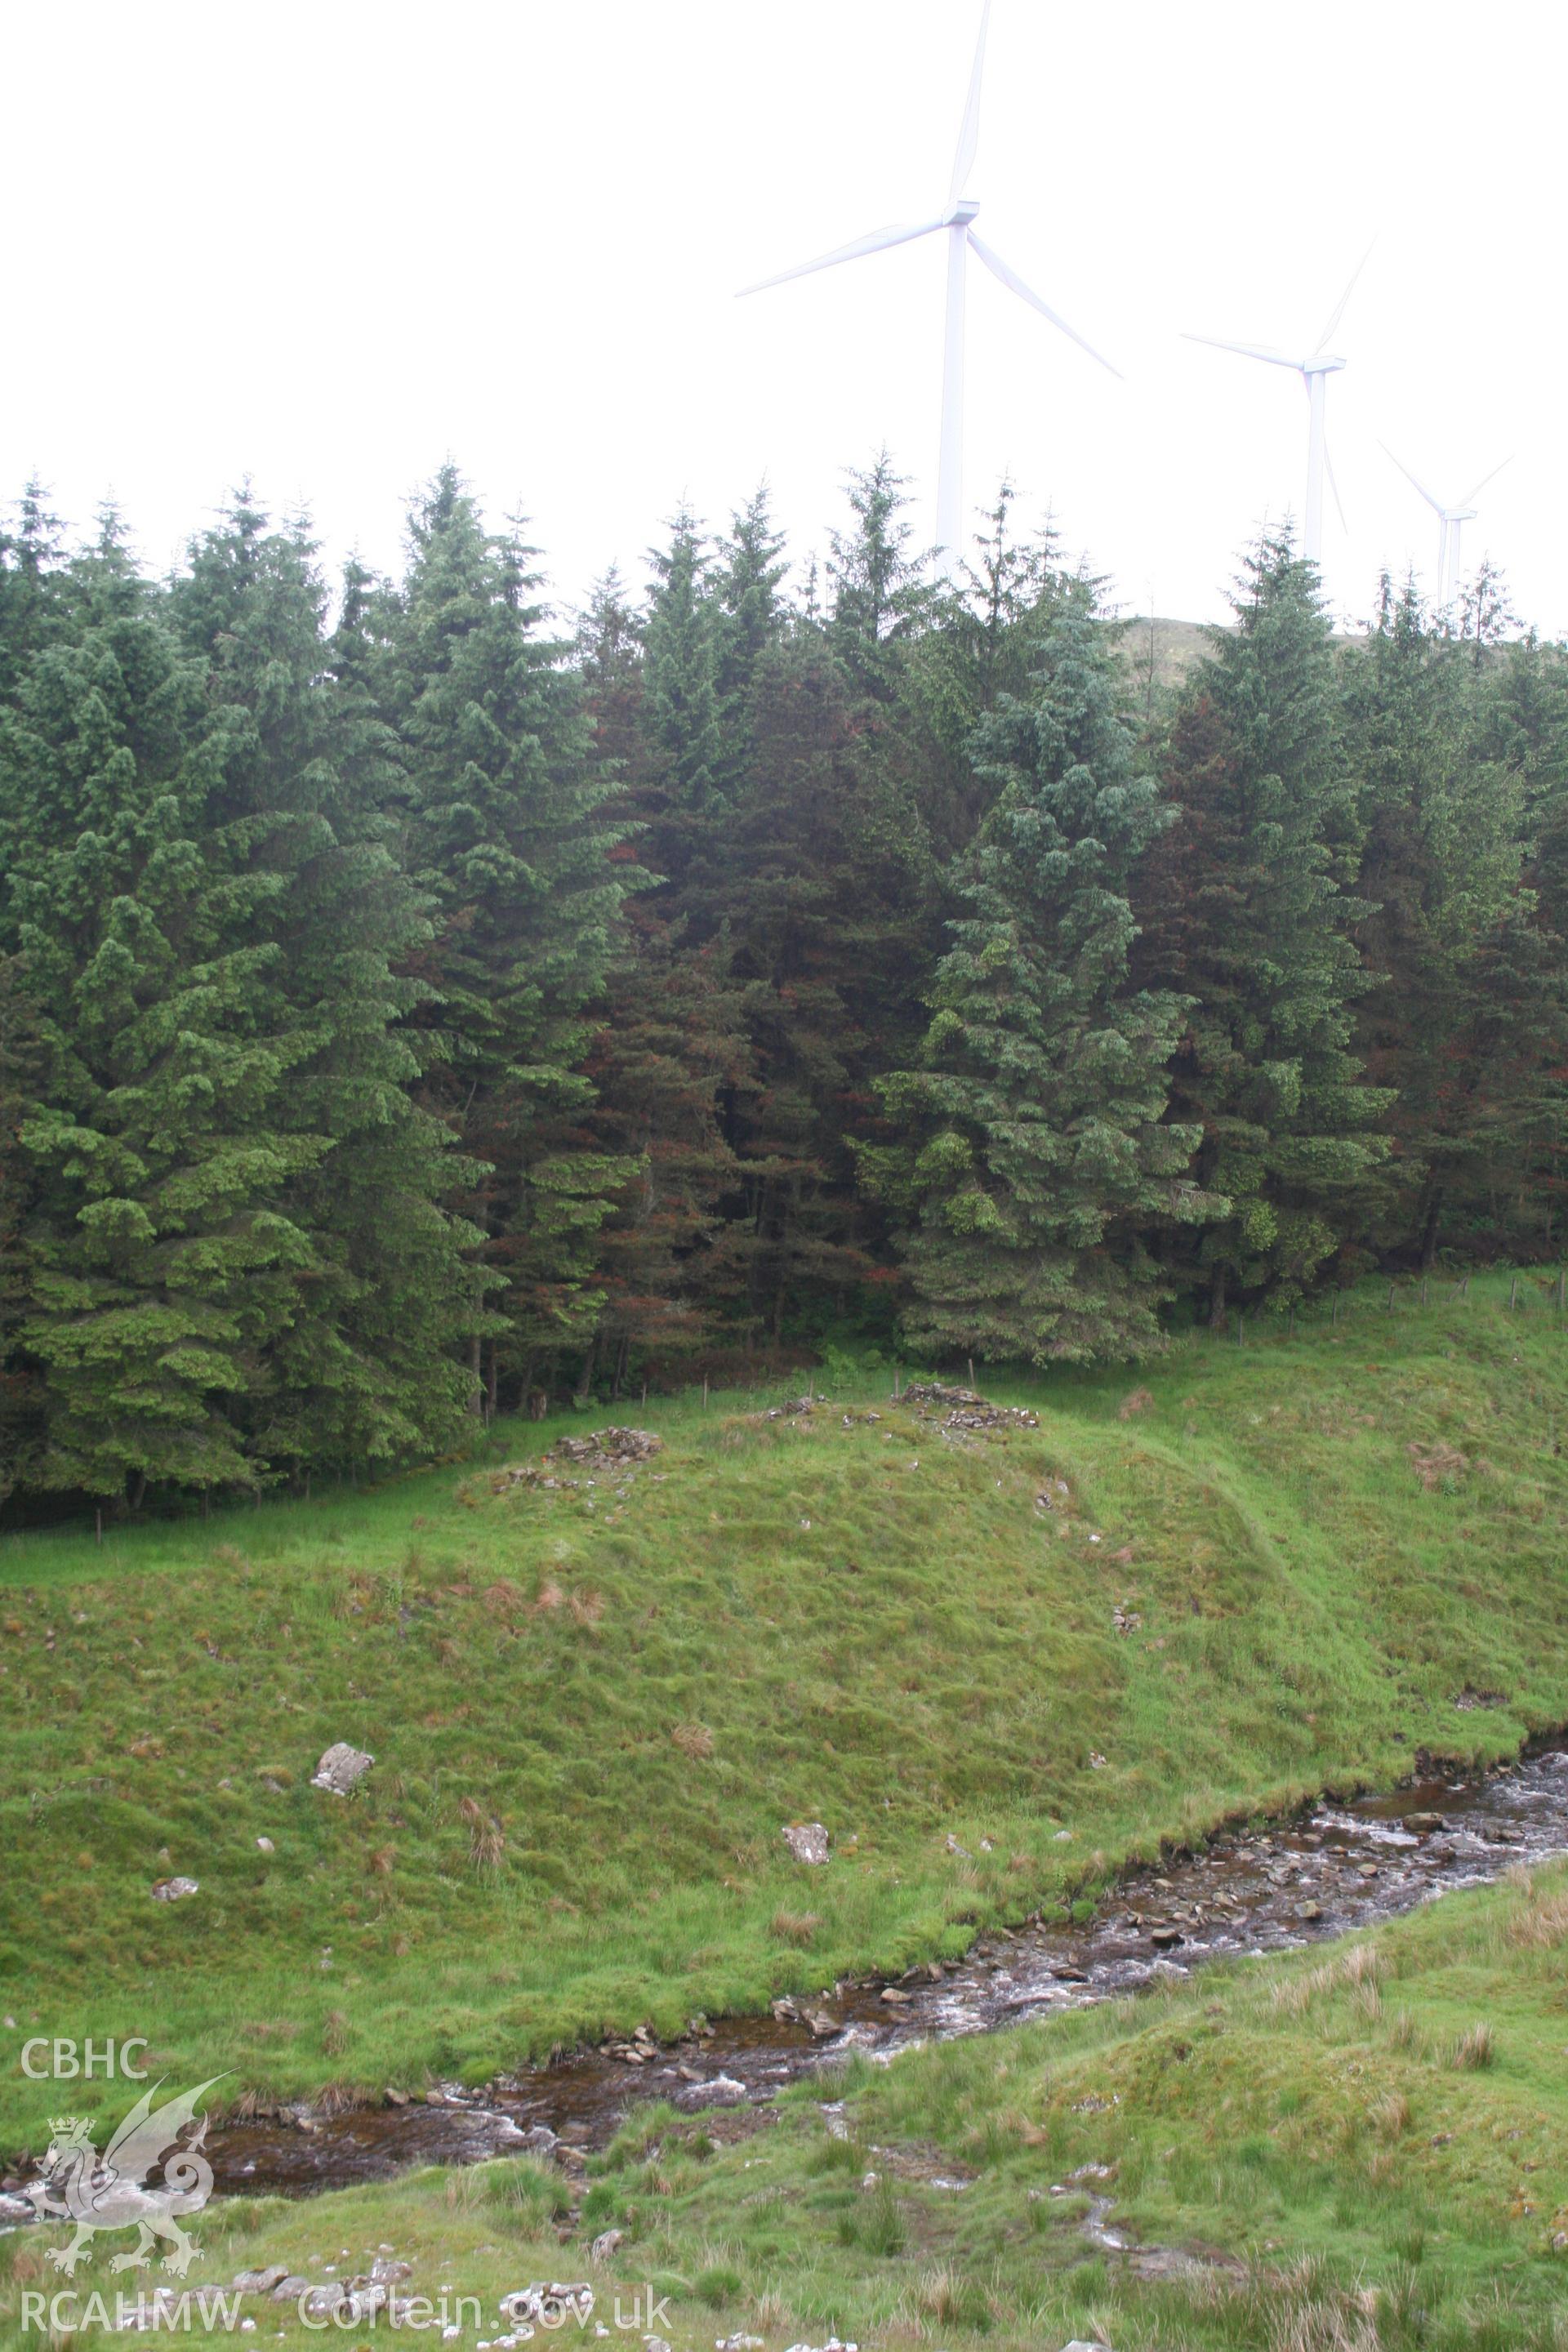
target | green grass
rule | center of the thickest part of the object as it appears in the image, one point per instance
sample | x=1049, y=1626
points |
x=902, y=1652
x=1306, y=2128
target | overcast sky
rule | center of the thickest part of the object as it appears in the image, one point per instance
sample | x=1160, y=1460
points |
x=331, y=244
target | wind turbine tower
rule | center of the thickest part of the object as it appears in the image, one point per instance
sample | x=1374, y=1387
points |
x=957, y=222
x=1314, y=371
x=1451, y=521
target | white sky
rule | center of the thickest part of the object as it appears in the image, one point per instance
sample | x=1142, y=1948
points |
x=331, y=244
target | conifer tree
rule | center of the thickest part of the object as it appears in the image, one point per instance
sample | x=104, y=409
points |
x=507, y=838
x=609, y=658
x=159, y=1268
x=982, y=642
x=1245, y=909
x=1442, y=844
x=750, y=575
x=878, y=598
x=683, y=709
x=32, y=560
x=18, y=1067
x=823, y=884
x=672, y=1050
x=365, y=1366
x=1034, y=1155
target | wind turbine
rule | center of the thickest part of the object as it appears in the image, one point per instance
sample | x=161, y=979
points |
x=1450, y=523
x=1314, y=371
x=957, y=220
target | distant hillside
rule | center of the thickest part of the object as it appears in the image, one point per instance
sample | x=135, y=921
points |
x=1175, y=646
x=1170, y=647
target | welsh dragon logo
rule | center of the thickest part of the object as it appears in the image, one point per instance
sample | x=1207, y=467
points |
x=112, y=2192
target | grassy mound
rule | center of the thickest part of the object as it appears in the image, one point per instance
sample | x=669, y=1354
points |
x=592, y=1708
x=1363, y=2148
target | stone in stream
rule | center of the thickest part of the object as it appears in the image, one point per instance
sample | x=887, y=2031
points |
x=723, y=2091
x=342, y=1768
x=808, y=1840
x=1165, y=1937
x=1424, y=1823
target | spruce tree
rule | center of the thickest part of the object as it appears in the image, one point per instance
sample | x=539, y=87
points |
x=1245, y=909
x=19, y=1429
x=673, y=1050
x=31, y=561
x=1034, y=1155
x=878, y=597
x=750, y=575
x=364, y=1368
x=508, y=838
x=159, y=1267
x=1442, y=845
x=686, y=782
x=982, y=641
x=823, y=884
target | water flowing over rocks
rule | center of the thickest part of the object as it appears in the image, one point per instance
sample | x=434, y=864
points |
x=1251, y=1889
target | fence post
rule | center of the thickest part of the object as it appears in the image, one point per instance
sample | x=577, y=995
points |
x=1513, y=1291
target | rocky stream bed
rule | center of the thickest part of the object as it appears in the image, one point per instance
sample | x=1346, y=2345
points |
x=1338, y=1867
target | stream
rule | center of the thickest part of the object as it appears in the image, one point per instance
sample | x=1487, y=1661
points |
x=1256, y=1890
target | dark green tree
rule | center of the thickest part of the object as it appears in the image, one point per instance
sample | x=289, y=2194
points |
x=31, y=561
x=1034, y=1156
x=751, y=573
x=1245, y=909
x=878, y=598
x=160, y=1268
x=509, y=839
x=365, y=1367
x=1440, y=871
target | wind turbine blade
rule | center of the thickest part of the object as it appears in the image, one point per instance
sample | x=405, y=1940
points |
x=1338, y=502
x=1436, y=504
x=1480, y=486
x=1246, y=350
x=877, y=242
x=969, y=133
x=1338, y=313
x=1015, y=285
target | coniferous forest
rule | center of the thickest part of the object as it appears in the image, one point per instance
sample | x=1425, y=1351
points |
x=417, y=1004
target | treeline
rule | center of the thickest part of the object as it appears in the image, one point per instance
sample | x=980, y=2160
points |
x=409, y=1008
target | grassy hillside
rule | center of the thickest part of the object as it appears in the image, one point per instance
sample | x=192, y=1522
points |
x=1361, y=2149
x=592, y=1708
